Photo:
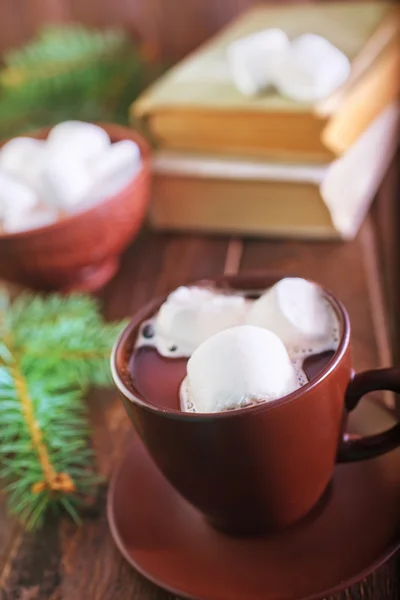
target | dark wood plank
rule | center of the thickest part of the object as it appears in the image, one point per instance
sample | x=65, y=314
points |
x=9, y=533
x=383, y=584
x=386, y=218
x=66, y=562
x=175, y=28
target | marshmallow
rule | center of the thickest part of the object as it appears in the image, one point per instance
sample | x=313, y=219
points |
x=254, y=60
x=22, y=157
x=77, y=139
x=190, y=315
x=20, y=208
x=296, y=311
x=311, y=68
x=15, y=197
x=65, y=182
x=76, y=166
x=113, y=170
x=119, y=158
x=237, y=367
x=31, y=219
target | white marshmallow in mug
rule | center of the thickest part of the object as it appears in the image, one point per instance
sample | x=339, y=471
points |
x=190, y=315
x=295, y=310
x=65, y=182
x=77, y=139
x=22, y=157
x=254, y=60
x=311, y=68
x=235, y=367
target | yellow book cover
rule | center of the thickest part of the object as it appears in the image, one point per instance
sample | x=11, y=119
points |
x=254, y=197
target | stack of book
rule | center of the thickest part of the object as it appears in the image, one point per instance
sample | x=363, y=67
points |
x=262, y=165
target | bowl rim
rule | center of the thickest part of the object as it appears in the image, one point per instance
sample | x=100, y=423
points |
x=117, y=133
x=234, y=281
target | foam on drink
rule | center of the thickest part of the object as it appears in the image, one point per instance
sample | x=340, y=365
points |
x=293, y=311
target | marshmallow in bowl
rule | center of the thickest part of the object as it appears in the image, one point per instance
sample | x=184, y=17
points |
x=113, y=169
x=22, y=157
x=254, y=60
x=123, y=156
x=191, y=315
x=311, y=68
x=295, y=310
x=20, y=207
x=31, y=219
x=15, y=196
x=83, y=141
x=240, y=366
x=16, y=201
x=65, y=182
x=75, y=168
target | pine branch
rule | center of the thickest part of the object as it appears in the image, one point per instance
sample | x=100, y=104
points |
x=71, y=72
x=50, y=350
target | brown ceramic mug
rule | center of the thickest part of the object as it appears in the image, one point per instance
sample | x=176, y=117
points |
x=263, y=467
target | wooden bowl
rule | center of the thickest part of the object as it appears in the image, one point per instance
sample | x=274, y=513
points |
x=81, y=252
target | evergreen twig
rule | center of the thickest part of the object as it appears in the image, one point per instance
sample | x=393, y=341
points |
x=71, y=72
x=51, y=349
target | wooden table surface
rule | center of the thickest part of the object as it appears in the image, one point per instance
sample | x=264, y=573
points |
x=65, y=562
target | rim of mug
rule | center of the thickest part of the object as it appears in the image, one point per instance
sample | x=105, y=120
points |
x=149, y=308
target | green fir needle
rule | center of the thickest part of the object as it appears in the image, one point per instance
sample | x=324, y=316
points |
x=51, y=349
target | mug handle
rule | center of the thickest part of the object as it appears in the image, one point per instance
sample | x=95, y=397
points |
x=362, y=448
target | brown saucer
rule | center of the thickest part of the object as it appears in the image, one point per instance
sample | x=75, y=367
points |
x=354, y=530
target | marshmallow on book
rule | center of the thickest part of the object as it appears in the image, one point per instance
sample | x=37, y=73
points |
x=296, y=311
x=254, y=60
x=237, y=367
x=191, y=315
x=311, y=69
x=307, y=69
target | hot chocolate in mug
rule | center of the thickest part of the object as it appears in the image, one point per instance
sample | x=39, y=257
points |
x=262, y=467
